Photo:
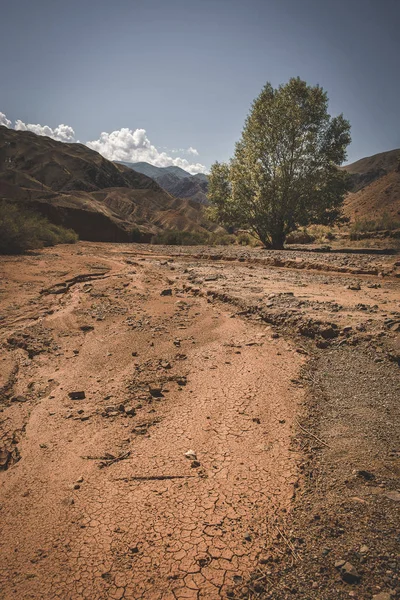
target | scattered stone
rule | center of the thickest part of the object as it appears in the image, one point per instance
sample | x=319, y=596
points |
x=248, y=537
x=166, y=292
x=339, y=564
x=195, y=464
x=77, y=395
x=349, y=573
x=393, y=495
x=367, y=475
x=19, y=399
x=382, y=596
x=364, y=549
x=275, y=336
x=191, y=455
x=155, y=390
x=86, y=328
x=134, y=353
x=130, y=410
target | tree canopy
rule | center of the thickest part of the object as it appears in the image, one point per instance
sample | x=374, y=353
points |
x=284, y=173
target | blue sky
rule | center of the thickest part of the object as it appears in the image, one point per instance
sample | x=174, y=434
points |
x=184, y=73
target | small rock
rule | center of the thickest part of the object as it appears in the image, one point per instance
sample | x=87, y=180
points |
x=19, y=399
x=364, y=549
x=86, y=328
x=349, y=573
x=195, y=464
x=367, y=475
x=166, y=292
x=382, y=596
x=155, y=390
x=191, y=455
x=248, y=537
x=339, y=564
x=130, y=410
x=77, y=395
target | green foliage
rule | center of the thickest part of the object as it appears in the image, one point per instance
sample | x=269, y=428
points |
x=300, y=236
x=22, y=230
x=174, y=237
x=284, y=172
x=360, y=228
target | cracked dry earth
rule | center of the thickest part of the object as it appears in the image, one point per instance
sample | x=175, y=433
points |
x=100, y=496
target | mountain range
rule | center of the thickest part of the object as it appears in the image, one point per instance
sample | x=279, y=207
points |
x=102, y=200
x=76, y=187
x=175, y=180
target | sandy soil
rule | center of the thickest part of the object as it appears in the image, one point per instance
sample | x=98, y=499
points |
x=183, y=470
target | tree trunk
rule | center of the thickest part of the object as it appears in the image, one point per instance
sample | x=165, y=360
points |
x=277, y=239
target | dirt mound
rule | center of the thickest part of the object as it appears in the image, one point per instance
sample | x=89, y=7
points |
x=78, y=188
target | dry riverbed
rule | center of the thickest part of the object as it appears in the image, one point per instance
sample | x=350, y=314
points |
x=198, y=423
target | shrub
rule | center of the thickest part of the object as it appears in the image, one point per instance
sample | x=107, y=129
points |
x=364, y=226
x=244, y=238
x=22, y=230
x=174, y=237
x=221, y=239
x=300, y=236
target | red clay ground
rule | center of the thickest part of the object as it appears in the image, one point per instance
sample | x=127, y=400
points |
x=98, y=499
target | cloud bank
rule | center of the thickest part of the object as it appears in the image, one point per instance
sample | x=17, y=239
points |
x=134, y=146
x=125, y=145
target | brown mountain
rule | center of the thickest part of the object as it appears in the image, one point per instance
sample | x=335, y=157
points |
x=77, y=187
x=175, y=180
x=375, y=187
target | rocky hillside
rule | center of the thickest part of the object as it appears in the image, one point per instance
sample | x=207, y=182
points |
x=375, y=190
x=175, y=180
x=78, y=188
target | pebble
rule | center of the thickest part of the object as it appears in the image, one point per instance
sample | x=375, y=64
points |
x=191, y=455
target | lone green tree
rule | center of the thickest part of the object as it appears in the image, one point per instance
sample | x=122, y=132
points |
x=284, y=173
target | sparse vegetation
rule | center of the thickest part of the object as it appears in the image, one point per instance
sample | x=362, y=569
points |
x=284, y=172
x=174, y=237
x=361, y=228
x=22, y=229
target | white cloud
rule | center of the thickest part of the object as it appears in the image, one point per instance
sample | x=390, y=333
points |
x=4, y=121
x=62, y=133
x=134, y=146
x=124, y=144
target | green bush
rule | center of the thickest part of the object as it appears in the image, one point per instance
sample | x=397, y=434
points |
x=221, y=239
x=364, y=226
x=244, y=238
x=300, y=236
x=174, y=237
x=22, y=230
